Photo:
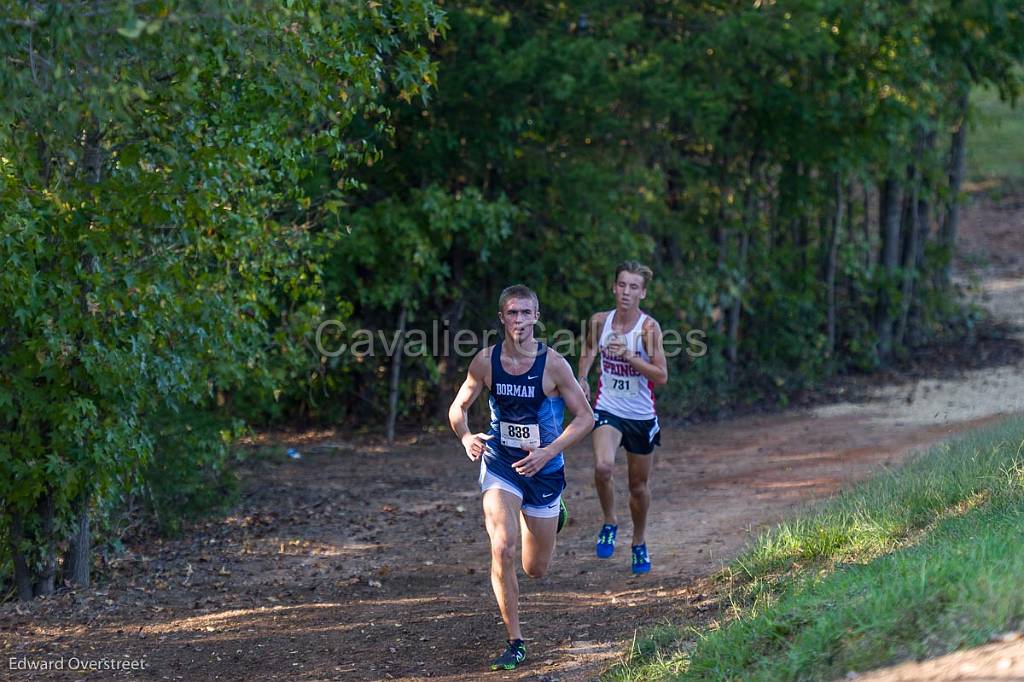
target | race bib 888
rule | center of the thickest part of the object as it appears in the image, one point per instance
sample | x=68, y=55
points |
x=520, y=436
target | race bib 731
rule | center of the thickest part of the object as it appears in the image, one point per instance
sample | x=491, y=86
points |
x=622, y=386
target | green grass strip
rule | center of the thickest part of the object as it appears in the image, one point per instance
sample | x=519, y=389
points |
x=911, y=564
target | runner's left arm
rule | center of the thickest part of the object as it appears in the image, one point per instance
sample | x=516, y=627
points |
x=657, y=369
x=581, y=424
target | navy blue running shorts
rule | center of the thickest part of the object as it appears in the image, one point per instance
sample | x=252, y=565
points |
x=639, y=436
x=540, y=493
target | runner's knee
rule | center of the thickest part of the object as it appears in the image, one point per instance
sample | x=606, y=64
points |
x=639, y=488
x=503, y=552
x=535, y=568
x=603, y=472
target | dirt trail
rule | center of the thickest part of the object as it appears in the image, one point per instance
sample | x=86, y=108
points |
x=1002, y=660
x=371, y=563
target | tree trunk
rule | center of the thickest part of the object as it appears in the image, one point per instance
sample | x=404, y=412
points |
x=957, y=154
x=77, y=557
x=774, y=219
x=722, y=242
x=909, y=258
x=396, y=375
x=800, y=239
x=750, y=223
x=867, y=226
x=924, y=212
x=848, y=194
x=889, y=223
x=736, y=307
x=831, y=266
x=22, y=574
x=925, y=194
x=450, y=360
x=45, y=511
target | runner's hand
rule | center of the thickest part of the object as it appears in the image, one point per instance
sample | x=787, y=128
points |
x=533, y=462
x=585, y=385
x=474, y=444
x=615, y=348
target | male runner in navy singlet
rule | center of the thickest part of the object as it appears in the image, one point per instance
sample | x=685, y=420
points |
x=632, y=364
x=522, y=471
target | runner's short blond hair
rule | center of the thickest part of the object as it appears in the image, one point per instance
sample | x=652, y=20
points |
x=635, y=268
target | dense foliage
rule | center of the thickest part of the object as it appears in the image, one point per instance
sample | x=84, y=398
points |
x=790, y=170
x=155, y=212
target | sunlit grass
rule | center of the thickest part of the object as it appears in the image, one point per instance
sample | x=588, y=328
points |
x=914, y=563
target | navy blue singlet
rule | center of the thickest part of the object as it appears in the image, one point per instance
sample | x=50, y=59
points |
x=517, y=404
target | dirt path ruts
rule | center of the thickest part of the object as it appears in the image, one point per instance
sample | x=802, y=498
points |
x=373, y=565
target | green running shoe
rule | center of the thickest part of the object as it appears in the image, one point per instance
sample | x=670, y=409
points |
x=514, y=654
x=563, y=515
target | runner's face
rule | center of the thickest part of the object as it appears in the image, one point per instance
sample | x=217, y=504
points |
x=519, y=316
x=629, y=290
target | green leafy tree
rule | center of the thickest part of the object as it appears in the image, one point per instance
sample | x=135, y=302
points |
x=740, y=147
x=155, y=204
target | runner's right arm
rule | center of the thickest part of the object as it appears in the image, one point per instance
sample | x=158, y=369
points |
x=589, y=352
x=582, y=423
x=458, y=412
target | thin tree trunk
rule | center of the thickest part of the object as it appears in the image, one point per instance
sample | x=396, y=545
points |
x=921, y=224
x=396, y=375
x=889, y=222
x=800, y=239
x=722, y=242
x=909, y=258
x=848, y=194
x=22, y=574
x=45, y=510
x=924, y=212
x=450, y=361
x=76, y=558
x=831, y=265
x=736, y=307
x=951, y=223
x=774, y=221
x=866, y=223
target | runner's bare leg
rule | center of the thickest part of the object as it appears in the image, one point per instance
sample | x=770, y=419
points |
x=606, y=442
x=501, y=516
x=639, y=493
x=538, y=543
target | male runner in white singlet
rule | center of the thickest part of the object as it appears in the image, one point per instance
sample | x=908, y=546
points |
x=522, y=474
x=632, y=364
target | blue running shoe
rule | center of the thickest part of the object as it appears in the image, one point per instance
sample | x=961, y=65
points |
x=606, y=541
x=641, y=561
